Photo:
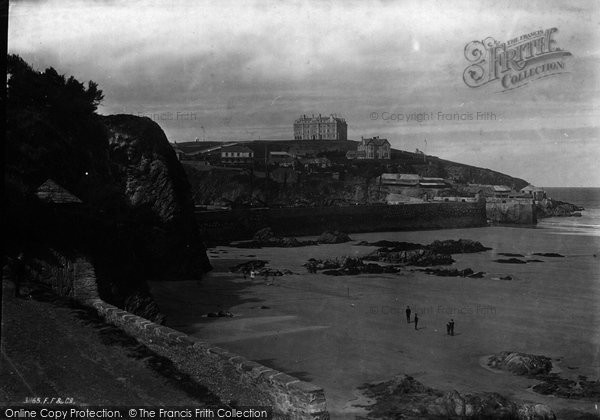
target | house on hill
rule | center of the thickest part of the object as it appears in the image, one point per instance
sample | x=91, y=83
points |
x=236, y=155
x=315, y=162
x=534, y=192
x=373, y=148
x=283, y=159
x=320, y=128
x=495, y=191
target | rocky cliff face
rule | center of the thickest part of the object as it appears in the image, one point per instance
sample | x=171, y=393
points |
x=133, y=217
x=153, y=181
x=555, y=208
x=355, y=181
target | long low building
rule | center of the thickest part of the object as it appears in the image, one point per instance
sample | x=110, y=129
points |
x=412, y=180
x=409, y=180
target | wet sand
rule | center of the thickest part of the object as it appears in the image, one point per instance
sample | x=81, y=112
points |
x=340, y=332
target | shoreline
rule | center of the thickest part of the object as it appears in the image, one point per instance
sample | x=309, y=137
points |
x=316, y=322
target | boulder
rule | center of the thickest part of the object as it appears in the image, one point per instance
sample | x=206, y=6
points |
x=144, y=305
x=461, y=246
x=417, y=257
x=535, y=412
x=334, y=237
x=521, y=363
x=290, y=243
x=264, y=235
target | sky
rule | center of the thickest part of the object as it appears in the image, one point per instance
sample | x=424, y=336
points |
x=244, y=70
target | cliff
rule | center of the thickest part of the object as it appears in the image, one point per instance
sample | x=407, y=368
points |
x=345, y=182
x=132, y=218
x=549, y=207
x=152, y=180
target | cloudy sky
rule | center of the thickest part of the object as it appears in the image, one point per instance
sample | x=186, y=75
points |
x=225, y=70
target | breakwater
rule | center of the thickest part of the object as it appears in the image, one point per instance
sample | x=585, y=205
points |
x=518, y=211
x=226, y=225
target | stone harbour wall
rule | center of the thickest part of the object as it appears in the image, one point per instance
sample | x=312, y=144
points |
x=239, y=224
x=511, y=211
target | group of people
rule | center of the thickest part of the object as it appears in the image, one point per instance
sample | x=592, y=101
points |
x=449, y=325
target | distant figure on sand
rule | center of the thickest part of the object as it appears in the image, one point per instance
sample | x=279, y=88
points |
x=416, y=320
x=451, y=324
x=18, y=272
x=447, y=328
x=251, y=274
x=407, y=314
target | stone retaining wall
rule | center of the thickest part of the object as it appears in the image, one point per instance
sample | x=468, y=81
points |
x=256, y=384
x=73, y=277
x=289, y=397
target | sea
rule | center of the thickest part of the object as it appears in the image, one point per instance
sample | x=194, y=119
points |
x=589, y=222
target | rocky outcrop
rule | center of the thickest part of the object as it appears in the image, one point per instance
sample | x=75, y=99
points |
x=153, y=181
x=581, y=389
x=348, y=266
x=460, y=246
x=334, y=237
x=549, y=207
x=266, y=238
x=416, y=257
x=396, y=245
x=130, y=217
x=551, y=383
x=405, y=397
x=521, y=363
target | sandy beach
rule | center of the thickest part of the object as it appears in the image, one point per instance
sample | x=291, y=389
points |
x=342, y=332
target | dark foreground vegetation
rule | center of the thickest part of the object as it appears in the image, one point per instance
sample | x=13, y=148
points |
x=132, y=214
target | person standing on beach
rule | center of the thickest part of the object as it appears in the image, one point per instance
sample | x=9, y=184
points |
x=451, y=327
x=416, y=320
x=447, y=328
x=18, y=273
x=407, y=314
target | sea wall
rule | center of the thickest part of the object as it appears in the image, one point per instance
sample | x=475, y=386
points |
x=232, y=377
x=255, y=384
x=511, y=211
x=218, y=226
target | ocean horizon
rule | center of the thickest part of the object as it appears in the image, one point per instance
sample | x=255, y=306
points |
x=587, y=224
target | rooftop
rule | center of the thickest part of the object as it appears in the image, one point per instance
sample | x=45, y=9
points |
x=51, y=192
x=237, y=148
